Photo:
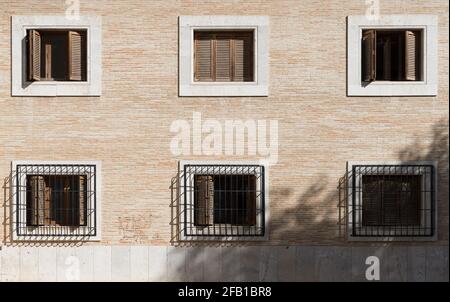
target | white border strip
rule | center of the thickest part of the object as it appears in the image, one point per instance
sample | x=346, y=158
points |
x=187, y=25
x=20, y=86
x=427, y=87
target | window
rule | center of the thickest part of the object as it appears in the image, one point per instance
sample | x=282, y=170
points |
x=392, y=200
x=223, y=201
x=392, y=55
x=56, y=201
x=56, y=55
x=224, y=55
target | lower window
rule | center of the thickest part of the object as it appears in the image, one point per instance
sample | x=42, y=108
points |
x=392, y=200
x=224, y=200
x=55, y=200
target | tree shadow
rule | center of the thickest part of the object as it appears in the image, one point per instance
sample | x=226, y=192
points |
x=318, y=217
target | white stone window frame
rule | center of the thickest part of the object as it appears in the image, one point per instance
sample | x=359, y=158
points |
x=350, y=209
x=200, y=238
x=20, y=84
x=260, y=85
x=427, y=87
x=67, y=238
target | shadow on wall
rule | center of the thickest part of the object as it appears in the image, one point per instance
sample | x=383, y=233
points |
x=9, y=198
x=315, y=215
x=437, y=150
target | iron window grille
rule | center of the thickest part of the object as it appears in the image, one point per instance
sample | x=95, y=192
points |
x=223, y=201
x=55, y=200
x=392, y=200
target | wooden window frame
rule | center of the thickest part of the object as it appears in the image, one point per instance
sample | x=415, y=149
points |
x=46, y=49
x=232, y=35
x=369, y=43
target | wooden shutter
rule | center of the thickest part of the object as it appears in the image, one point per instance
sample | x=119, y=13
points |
x=48, y=205
x=75, y=56
x=66, y=202
x=37, y=204
x=34, y=55
x=223, y=56
x=410, y=200
x=369, y=61
x=203, y=200
x=250, y=205
x=371, y=201
x=48, y=61
x=391, y=200
x=243, y=57
x=82, y=200
x=223, y=59
x=411, y=55
x=203, y=58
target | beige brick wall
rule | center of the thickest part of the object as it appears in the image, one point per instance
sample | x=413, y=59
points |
x=127, y=128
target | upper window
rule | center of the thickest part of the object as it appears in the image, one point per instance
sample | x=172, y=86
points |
x=56, y=201
x=55, y=56
x=223, y=56
x=389, y=200
x=223, y=201
x=392, y=55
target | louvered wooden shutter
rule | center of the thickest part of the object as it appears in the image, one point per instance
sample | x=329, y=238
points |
x=37, y=204
x=250, y=206
x=411, y=55
x=34, y=55
x=66, y=205
x=48, y=61
x=223, y=60
x=204, y=200
x=410, y=201
x=371, y=201
x=243, y=58
x=203, y=58
x=391, y=200
x=223, y=56
x=75, y=56
x=82, y=200
x=47, y=205
x=369, y=55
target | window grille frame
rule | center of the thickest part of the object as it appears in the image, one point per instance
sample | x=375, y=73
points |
x=222, y=232
x=21, y=231
x=426, y=231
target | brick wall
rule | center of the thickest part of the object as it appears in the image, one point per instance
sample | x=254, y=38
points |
x=127, y=128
